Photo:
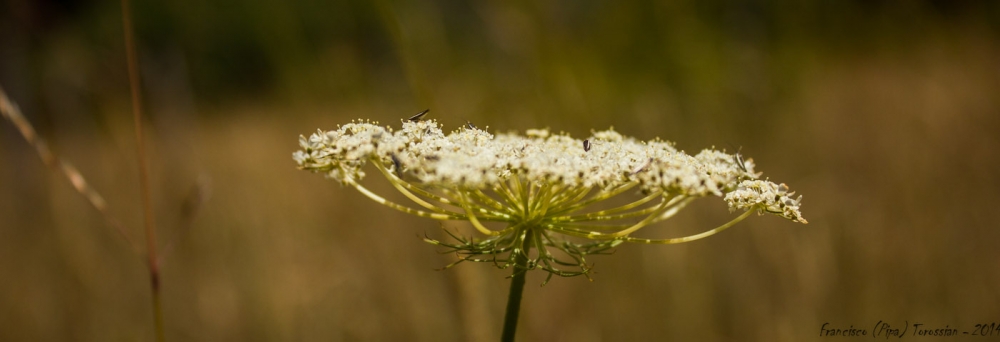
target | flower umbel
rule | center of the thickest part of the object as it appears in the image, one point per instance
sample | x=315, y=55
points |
x=551, y=192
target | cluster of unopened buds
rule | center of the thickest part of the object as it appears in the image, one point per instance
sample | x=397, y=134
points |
x=563, y=197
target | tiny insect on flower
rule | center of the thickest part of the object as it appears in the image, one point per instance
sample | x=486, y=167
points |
x=419, y=116
x=641, y=167
x=738, y=159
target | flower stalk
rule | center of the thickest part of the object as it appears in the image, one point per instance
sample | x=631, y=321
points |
x=518, y=278
x=565, y=198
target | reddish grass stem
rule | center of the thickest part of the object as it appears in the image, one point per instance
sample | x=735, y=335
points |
x=147, y=207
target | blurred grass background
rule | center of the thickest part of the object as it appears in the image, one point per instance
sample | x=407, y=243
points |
x=883, y=114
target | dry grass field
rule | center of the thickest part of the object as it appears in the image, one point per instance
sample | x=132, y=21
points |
x=884, y=118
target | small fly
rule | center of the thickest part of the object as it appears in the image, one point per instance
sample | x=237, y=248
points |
x=419, y=116
x=469, y=125
x=586, y=145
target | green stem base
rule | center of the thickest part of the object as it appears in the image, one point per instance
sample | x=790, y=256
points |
x=513, y=305
x=514, y=296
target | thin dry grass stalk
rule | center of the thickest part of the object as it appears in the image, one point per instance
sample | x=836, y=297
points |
x=10, y=111
x=144, y=190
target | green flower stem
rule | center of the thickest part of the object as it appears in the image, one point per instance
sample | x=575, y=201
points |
x=516, y=290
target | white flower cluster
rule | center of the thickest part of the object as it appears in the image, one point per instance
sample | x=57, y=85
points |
x=473, y=158
x=547, y=189
x=766, y=197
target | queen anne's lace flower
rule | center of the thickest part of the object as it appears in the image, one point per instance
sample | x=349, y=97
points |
x=543, y=186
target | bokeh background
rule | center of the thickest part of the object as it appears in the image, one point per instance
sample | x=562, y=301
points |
x=883, y=114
